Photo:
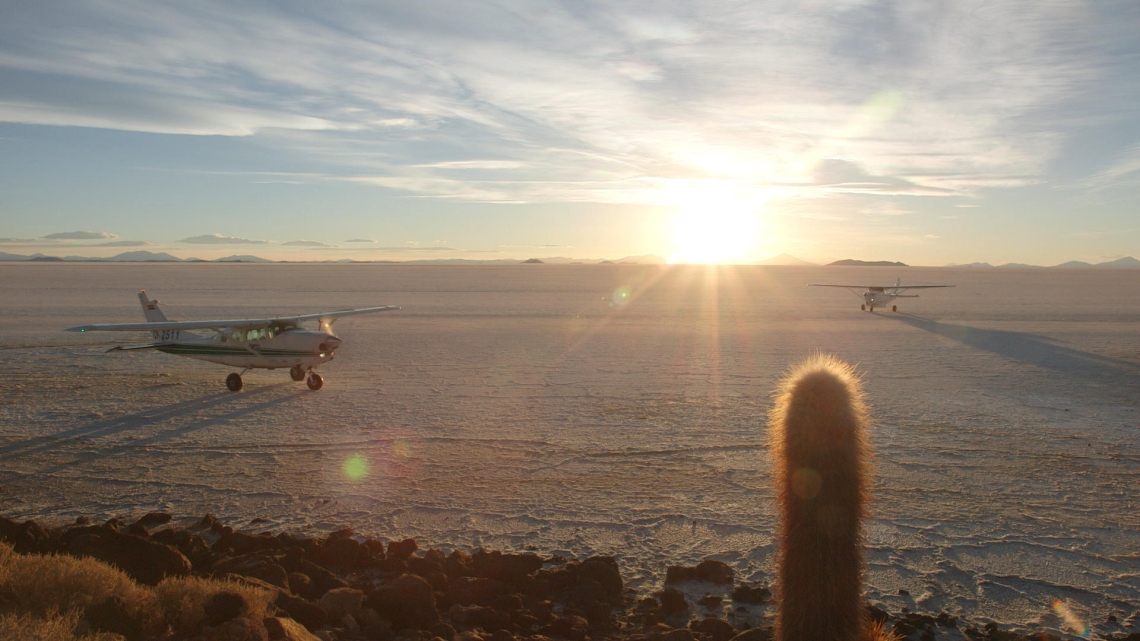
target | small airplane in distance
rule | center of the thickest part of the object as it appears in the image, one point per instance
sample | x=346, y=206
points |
x=249, y=343
x=882, y=295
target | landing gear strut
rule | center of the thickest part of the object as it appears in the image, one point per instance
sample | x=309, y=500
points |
x=296, y=373
x=315, y=381
x=233, y=382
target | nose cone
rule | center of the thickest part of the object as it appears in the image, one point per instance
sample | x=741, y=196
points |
x=330, y=343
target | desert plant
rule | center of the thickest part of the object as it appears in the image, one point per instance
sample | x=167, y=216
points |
x=821, y=462
x=183, y=599
x=42, y=584
x=54, y=627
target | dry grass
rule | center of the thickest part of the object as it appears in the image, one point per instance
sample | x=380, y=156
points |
x=183, y=599
x=34, y=588
x=26, y=627
x=39, y=584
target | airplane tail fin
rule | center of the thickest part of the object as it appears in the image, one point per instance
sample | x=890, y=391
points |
x=820, y=454
x=150, y=309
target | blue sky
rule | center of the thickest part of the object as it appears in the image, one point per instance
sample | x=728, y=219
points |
x=927, y=132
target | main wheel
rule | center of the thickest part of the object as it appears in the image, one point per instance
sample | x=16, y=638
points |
x=297, y=373
x=894, y=308
x=863, y=307
x=315, y=382
x=233, y=381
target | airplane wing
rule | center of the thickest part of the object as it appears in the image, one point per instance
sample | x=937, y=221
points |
x=240, y=323
x=877, y=287
x=128, y=348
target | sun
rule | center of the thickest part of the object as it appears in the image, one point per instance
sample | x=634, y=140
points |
x=714, y=236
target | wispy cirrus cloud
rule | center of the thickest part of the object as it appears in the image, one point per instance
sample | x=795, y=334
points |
x=80, y=235
x=306, y=243
x=360, y=240
x=125, y=243
x=218, y=239
x=605, y=103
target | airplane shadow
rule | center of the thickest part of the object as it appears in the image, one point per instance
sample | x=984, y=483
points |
x=132, y=421
x=1026, y=348
x=177, y=432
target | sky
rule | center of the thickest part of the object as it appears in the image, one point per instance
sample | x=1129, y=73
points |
x=928, y=132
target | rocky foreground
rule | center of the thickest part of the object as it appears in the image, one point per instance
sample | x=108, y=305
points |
x=347, y=587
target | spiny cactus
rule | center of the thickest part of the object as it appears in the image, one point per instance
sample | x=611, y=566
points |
x=821, y=463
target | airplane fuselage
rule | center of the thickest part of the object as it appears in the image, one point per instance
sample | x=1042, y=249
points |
x=878, y=296
x=254, y=349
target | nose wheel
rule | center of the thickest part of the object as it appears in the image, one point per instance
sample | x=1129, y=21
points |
x=315, y=381
x=233, y=382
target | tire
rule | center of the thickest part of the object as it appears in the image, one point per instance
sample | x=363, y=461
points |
x=894, y=308
x=233, y=382
x=296, y=373
x=315, y=382
x=863, y=307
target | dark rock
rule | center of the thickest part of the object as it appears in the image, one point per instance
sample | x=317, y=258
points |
x=138, y=530
x=479, y=616
x=144, y=560
x=672, y=602
x=321, y=580
x=154, y=519
x=458, y=564
x=224, y=606
x=501, y=635
x=439, y=581
x=111, y=615
x=392, y=565
x=28, y=537
x=239, y=543
x=946, y=621
x=424, y=566
x=709, y=570
x=285, y=629
x=903, y=592
x=710, y=601
x=341, y=554
x=407, y=601
x=115, y=523
x=681, y=634
x=755, y=634
x=713, y=629
x=301, y=584
x=751, y=594
x=310, y=615
x=375, y=548
x=468, y=590
x=442, y=630
x=402, y=549
x=595, y=579
x=508, y=603
x=239, y=629
x=570, y=627
x=83, y=520
x=508, y=568
x=208, y=521
x=190, y=544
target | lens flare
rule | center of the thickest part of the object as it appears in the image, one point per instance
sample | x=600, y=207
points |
x=1072, y=621
x=355, y=467
x=621, y=296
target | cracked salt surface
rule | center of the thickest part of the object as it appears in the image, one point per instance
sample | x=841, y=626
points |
x=528, y=408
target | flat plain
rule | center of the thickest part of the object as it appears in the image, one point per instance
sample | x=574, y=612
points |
x=608, y=409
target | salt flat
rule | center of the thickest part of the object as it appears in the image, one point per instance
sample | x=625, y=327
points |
x=608, y=410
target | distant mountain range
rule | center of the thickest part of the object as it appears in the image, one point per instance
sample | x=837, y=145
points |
x=142, y=256
x=848, y=262
x=1126, y=262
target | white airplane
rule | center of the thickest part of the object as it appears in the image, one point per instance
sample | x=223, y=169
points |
x=876, y=295
x=248, y=343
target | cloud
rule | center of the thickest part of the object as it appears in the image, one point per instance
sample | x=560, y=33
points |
x=307, y=243
x=218, y=239
x=80, y=235
x=607, y=103
x=125, y=243
x=360, y=240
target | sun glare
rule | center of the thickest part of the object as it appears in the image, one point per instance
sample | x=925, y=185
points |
x=715, y=223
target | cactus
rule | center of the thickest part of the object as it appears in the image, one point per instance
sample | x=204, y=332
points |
x=821, y=463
